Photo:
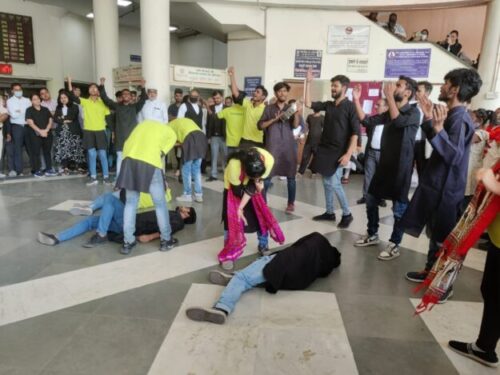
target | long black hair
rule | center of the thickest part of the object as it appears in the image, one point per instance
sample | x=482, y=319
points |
x=64, y=92
x=252, y=162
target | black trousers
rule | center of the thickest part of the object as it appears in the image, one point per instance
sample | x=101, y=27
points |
x=419, y=156
x=37, y=143
x=307, y=153
x=489, y=333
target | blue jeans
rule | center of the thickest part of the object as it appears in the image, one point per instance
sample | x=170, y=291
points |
x=119, y=159
x=93, y=162
x=242, y=281
x=99, y=202
x=332, y=184
x=372, y=158
x=157, y=191
x=262, y=238
x=291, y=185
x=111, y=219
x=192, y=170
x=398, y=210
x=216, y=144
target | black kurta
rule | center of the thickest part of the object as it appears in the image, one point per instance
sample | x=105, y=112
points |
x=442, y=185
x=392, y=177
x=341, y=123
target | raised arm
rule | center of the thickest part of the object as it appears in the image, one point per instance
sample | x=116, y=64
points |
x=102, y=91
x=389, y=90
x=142, y=100
x=72, y=96
x=234, y=86
x=356, y=96
x=307, y=89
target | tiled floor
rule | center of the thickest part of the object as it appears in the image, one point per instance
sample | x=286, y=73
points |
x=71, y=310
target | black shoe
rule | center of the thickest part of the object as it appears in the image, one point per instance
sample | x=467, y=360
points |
x=382, y=203
x=345, y=221
x=47, y=239
x=361, y=200
x=263, y=250
x=446, y=296
x=417, y=276
x=326, y=216
x=127, y=248
x=488, y=359
x=210, y=179
x=168, y=245
x=180, y=179
x=95, y=240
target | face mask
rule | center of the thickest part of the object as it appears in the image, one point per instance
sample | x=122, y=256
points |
x=18, y=94
x=193, y=100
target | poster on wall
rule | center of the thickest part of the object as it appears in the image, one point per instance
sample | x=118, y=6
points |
x=195, y=75
x=305, y=59
x=348, y=39
x=409, y=62
x=251, y=84
x=371, y=92
x=357, y=65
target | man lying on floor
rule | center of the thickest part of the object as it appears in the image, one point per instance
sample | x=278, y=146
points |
x=109, y=224
x=293, y=268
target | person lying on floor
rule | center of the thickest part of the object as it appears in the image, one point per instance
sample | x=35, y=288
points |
x=293, y=268
x=109, y=224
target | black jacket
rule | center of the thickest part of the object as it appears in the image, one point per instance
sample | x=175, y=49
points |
x=454, y=48
x=216, y=127
x=297, y=266
x=71, y=115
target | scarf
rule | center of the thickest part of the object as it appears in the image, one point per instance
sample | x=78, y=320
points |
x=478, y=215
x=236, y=240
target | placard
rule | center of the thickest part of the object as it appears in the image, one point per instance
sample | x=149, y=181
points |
x=305, y=59
x=194, y=74
x=16, y=39
x=348, y=39
x=251, y=84
x=408, y=62
x=357, y=64
x=135, y=58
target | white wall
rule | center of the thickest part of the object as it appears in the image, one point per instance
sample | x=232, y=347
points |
x=248, y=58
x=285, y=34
x=199, y=50
x=129, y=44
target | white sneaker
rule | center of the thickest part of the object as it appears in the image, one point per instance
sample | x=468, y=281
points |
x=390, y=252
x=80, y=211
x=12, y=174
x=92, y=182
x=184, y=198
x=198, y=198
x=2, y=175
x=367, y=240
x=282, y=178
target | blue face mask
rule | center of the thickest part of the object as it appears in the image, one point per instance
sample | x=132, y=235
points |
x=18, y=94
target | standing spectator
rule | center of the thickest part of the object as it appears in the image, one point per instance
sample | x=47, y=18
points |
x=436, y=202
x=133, y=97
x=94, y=131
x=194, y=147
x=424, y=89
x=125, y=117
x=191, y=109
x=451, y=43
x=4, y=115
x=228, y=101
x=17, y=106
x=253, y=108
x=394, y=27
x=277, y=122
x=372, y=152
x=233, y=117
x=315, y=124
x=173, y=109
x=154, y=108
x=47, y=101
x=338, y=142
x=69, y=150
x=216, y=133
x=392, y=178
x=39, y=122
x=141, y=172
x=77, y=92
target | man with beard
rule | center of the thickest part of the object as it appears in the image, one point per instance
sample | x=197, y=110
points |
x=449, y=129
x=392, y=177
x=252, y=112
x=338, y=141
x=191, y=108
x=278, y=124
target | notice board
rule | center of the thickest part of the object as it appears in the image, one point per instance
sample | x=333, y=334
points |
x=16, y=39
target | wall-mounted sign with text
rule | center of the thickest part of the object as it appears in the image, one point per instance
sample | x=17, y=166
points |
x=194, y=74
x=407, y=62
x=357, y=65
x=348, y=39
x=305, y=59
x=251, y=84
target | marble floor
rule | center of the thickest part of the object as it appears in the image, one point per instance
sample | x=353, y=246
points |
x=72, y=310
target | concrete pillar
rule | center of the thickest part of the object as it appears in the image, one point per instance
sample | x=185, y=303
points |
x=155, y=40
x=489, y=63
x=106, y=40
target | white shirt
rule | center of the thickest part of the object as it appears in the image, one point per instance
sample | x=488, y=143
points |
x=377, y=137
x=219, y=108
x=154, y=110
x=418, y=137
x=183, y=109
x=17, y=109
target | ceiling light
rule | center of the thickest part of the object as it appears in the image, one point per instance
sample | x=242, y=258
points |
x=90, y=15
x=123, y=3
x=173, y=28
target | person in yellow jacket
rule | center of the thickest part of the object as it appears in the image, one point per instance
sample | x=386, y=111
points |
x=142, y=172
x=194, y=148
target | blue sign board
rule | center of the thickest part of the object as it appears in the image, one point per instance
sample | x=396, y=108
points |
x=305, y=59
x=251, y=84
x=408, y=62
x=135, y=58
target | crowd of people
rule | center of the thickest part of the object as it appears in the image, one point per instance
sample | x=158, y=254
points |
x=256, y=138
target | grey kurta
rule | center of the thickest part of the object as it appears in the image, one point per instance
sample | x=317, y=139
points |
x=279, y=141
